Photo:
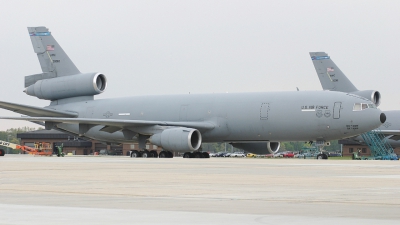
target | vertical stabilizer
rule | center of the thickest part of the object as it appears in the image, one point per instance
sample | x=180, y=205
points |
x=52, y=58
x=330, y=76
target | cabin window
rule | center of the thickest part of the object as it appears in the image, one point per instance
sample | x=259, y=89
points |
x=362, y=106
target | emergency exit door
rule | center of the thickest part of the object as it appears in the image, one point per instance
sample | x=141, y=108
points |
x=336, y=110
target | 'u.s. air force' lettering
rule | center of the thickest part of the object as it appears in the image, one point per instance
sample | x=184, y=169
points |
x=312, y=108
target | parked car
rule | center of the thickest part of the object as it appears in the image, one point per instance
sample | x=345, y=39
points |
x=251, y=155
x=220, y=154
x=213, y=154
x=237, y=154
x=228, y=154
x=299, y=155
x=288, y=155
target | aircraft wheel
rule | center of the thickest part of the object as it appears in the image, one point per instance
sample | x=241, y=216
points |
x=2, y=152
x=319, y=156
x=135, y=154
x=163, y=154
x=154, y=154
x=170, y=154
x=324, y=156
x=186, y=155
x=206, y=155
x=146, y=154
x=198, y=155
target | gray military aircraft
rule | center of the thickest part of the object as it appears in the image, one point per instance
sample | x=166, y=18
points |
x=333, y=79
x=255, y=122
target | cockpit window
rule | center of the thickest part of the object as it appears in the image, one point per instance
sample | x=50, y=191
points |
x=362, y=106
x=357, y=107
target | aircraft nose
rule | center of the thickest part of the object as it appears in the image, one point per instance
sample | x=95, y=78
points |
x=383, y=117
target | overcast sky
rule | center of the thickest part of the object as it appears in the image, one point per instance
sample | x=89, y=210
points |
x=177, y=47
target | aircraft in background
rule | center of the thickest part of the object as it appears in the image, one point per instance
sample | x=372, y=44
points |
x=255, y=122
x=333, y=79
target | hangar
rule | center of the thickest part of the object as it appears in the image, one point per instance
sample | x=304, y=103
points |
x=73, y=144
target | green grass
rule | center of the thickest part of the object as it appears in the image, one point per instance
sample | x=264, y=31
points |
x=340, y=158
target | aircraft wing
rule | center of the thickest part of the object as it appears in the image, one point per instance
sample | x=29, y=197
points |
x=394, y=134
x=35, y=111
x=115, y=122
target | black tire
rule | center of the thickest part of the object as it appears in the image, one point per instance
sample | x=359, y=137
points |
x=198, y=155
x=2, y=152
x=163, y=154
x=324, y=156
x=154, y=154
x=319, y=156
x=206, y=155
x=170, y=154
x=187, y=155
x=135, y=154
x=146, y=154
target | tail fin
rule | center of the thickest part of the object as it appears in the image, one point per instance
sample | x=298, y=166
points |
x=330, y=76
x=52, y=58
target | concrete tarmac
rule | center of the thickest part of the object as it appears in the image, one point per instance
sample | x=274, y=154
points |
x=122, y=190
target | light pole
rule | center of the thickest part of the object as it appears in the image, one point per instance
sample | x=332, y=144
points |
x=8, y=140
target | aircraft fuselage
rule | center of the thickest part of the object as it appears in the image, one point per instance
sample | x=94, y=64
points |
x=237, y=117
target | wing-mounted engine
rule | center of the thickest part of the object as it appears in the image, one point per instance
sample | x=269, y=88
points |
x=87, y=84
x=373, y=96
x=258, y=147
x=178, y=139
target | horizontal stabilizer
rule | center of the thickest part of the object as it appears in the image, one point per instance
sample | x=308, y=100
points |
x=116, y=123
x=35, y=111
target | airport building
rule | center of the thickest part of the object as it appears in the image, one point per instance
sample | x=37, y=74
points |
x=349, y=146
x=79, y=146
x=75, y=145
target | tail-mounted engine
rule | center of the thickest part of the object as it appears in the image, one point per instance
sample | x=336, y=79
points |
x=373, y=96
x=87, y=84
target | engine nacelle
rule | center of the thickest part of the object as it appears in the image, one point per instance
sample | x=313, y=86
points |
x=68, y=86
x=263, y=147
x=178, y=139
x=373, y=96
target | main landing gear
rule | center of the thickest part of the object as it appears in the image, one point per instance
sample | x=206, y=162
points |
x=196, y=155
x=150, y=154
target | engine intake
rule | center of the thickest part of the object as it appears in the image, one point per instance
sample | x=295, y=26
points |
x=68, y=86
x=264, y=147
x=178, y=139
x=373, y=96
